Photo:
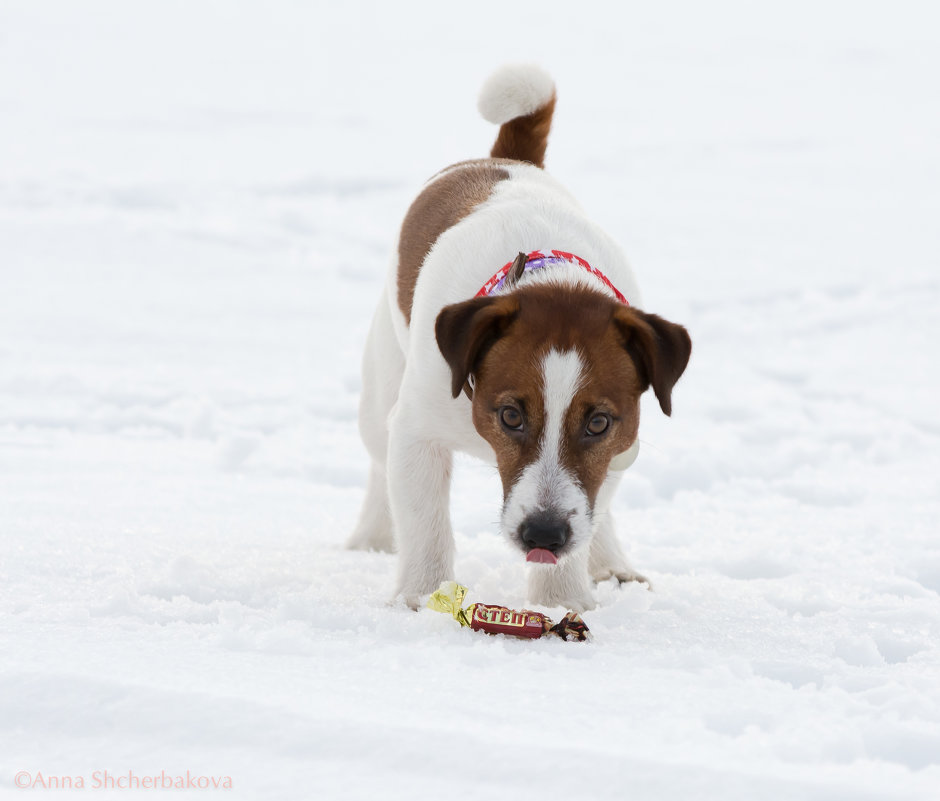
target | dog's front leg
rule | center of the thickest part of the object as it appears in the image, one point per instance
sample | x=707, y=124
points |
x=419, y=474
x=607, y=559
x=566, y=584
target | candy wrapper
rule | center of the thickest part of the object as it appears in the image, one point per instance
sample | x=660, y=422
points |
x=500, y=620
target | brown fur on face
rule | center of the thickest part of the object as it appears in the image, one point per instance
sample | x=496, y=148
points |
x=502, y=341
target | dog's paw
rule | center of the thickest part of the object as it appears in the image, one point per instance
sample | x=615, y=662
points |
x=623, y=575
x=371, y=540
x=407, y=601
x=581, y=602
x=414, y=596
x=579, y=605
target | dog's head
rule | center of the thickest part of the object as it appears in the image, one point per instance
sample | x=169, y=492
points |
x=556, y=375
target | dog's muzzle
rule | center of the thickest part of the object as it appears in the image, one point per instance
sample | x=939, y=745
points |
x=543, y=534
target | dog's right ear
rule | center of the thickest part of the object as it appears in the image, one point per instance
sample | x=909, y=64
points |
x=466, y=331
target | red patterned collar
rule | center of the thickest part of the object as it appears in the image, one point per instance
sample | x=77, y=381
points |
x=541, y=258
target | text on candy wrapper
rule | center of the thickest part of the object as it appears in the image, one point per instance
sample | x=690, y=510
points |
x=505, y=617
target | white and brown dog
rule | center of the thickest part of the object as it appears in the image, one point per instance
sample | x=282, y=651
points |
x=533, y=361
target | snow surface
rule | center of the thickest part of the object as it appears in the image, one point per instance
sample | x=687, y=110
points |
x=197, y=203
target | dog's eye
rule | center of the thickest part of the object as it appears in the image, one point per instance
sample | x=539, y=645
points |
x=511, y=418
x=597, y=425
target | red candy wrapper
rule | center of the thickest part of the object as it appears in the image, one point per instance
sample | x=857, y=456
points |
x=501, y=620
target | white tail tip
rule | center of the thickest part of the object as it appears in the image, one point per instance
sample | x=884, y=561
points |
x=514, y=91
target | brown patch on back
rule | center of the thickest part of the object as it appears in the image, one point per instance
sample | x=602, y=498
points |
x=525, y=138
x=445, y=201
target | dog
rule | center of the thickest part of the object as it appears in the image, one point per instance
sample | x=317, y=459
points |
x=511, y=329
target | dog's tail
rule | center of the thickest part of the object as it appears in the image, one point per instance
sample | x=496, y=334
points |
x=520, y=99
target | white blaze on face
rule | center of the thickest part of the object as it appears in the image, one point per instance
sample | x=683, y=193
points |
x=546, y=485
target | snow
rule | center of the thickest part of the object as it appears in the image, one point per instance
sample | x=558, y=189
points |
x=197, y=205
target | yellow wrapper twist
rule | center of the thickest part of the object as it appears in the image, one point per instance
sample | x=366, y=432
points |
x=448, y=598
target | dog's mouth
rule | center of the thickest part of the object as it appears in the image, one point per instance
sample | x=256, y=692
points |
x=541, y=556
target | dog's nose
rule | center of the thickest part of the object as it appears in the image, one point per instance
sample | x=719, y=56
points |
x=544, y=530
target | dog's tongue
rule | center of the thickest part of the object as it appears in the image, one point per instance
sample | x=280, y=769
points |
x=542, y=556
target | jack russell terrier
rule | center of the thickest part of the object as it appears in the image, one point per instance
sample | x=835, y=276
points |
x=511, y=329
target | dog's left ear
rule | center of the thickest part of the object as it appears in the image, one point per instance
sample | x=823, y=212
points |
x=659, y=349
x=465, y=331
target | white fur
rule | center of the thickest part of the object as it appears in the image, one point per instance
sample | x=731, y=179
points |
x=545, y=485
x=411, y=424
x=624, y=460
x=514, y=91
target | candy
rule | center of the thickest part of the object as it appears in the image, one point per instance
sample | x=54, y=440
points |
x=501, y=620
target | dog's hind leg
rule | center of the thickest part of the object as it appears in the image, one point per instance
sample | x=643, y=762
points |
x=382, y=367
x=373, y=531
